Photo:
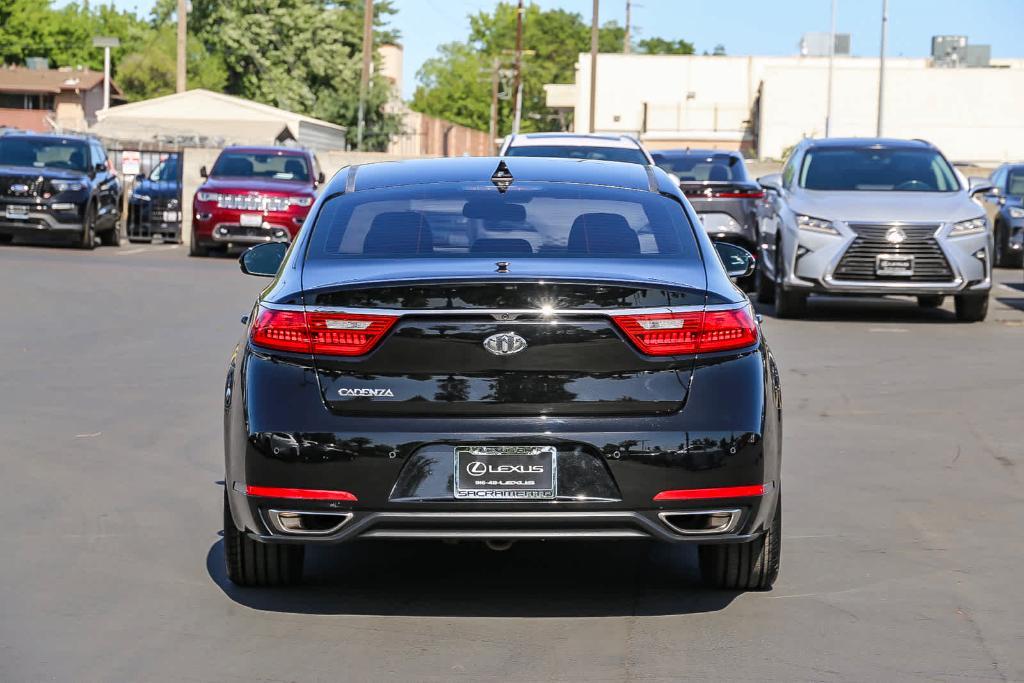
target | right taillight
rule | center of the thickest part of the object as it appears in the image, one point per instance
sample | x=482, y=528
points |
x=319, y=333
x=673, y=334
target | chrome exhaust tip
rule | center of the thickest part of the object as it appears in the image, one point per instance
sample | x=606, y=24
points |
x=498, y=545
x=702, y=522
x=307, y=523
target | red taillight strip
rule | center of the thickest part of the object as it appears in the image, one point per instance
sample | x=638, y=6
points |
x=723, y=492
x=302, y=494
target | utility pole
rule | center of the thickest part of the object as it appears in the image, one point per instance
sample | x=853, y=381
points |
x=517, y=90
x=493, y=128
x=106, y=43
x=364, y=82
x=181, y=82
x=831, y=69
x=626, y=47
x=594, y=28
x=881, y=67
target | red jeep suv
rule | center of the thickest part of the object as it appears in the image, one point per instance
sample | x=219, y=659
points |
x=253, y=195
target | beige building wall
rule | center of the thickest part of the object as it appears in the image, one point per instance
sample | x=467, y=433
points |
x=672, y=100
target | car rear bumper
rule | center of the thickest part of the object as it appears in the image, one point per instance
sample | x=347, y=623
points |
x=744, y=523
x=399, y=470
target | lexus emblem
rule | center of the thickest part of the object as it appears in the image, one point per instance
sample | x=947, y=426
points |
x=895, y=235
x=476, y=468
x=19, y=188
x=505, y=343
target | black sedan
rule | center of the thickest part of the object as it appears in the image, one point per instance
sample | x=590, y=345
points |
x=501, y=350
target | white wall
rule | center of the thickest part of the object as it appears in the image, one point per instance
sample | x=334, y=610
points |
x=972, y=114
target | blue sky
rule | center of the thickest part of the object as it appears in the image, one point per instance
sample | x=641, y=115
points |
x=759, y=27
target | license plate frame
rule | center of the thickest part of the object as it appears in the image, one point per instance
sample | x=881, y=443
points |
x=894, y=265
x=16, y=212
x=503, y=473
x=251, y=220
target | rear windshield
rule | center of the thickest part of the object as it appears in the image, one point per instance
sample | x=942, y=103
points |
x=546, y=220
x=877, y=169
x=625, y=154
x=43, y=153
x=704, y=168
x=278, y=165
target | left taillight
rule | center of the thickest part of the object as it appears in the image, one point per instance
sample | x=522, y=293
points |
x=675, y=334
x=319, y=333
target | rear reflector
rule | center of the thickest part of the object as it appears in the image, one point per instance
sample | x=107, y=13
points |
x=325, y=334
x=703, y=494
x=671, y=334
x=303, y=494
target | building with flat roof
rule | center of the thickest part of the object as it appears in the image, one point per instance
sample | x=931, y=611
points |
x=765, y=105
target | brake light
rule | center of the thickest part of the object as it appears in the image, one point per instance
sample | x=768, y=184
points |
x=757, y=194
x=723, y=492
x=298, y=494
x=319, y=333
x=672, y=334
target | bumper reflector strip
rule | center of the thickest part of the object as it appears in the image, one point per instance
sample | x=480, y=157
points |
x=303, y=494
x=701, y=494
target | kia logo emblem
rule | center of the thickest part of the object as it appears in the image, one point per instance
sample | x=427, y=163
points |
x=476, y=468
x=504, y=343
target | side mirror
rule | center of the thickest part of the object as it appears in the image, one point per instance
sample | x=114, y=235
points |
x=321, y=178
x=202, y=172
x=978, y=185
x=738, y=261
x=263, y=260
x=140, y=176
x=772, y=181
x=101, y=167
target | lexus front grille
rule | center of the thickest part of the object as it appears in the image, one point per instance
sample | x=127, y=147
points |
x=873, y=240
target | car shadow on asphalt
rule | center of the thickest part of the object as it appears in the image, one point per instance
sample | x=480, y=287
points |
x=867, y=309
x=535, y=579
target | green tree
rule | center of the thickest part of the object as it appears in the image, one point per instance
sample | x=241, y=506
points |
x=663, y=46
x=456, y=84
x=30, y=28
x=152, y=71
x=300, y=55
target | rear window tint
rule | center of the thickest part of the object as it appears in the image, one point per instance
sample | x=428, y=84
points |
x=629, y=155
x=546, y=220
x=703, y=168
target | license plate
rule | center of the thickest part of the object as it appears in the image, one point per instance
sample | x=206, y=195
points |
x=505, y=472
x=172, y=216
x=16, y=211
x=251, y=220
x=894, y=265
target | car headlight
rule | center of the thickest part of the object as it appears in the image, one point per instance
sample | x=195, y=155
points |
x=971, y=227
x=815, y=225
x=302, y=201
x=208, y=196
x=1016, y=212
x=67, y=186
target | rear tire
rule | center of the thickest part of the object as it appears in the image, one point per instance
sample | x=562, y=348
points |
x=750, y=566
x=789, y=304
x=255, y=564
x=930, y=300
x=971, y=308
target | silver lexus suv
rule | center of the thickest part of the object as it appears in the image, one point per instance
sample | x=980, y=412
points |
x=874, y=217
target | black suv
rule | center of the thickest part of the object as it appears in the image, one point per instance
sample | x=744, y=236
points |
x=57, y=185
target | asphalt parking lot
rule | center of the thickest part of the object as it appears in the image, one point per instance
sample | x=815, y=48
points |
x=903, y=471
